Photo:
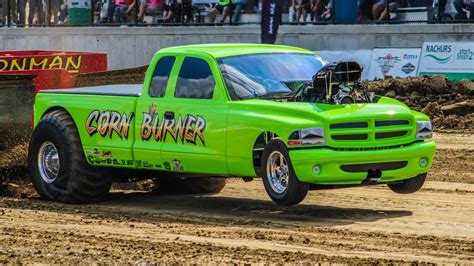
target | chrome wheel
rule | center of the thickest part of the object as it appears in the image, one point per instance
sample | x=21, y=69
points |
x=48, y=162
x=278, y=172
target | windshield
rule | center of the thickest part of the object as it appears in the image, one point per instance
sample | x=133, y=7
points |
x=260, y=75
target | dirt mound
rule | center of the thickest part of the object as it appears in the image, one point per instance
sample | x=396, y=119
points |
x=450, y=104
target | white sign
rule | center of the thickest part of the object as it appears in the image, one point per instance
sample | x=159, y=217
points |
x=399, y=63
x=360, y=56
x=456, y=60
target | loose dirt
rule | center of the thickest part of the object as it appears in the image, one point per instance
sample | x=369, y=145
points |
x=241, y=225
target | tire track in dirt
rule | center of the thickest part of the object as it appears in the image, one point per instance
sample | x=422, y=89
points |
x=241, y=225
x=454, y=159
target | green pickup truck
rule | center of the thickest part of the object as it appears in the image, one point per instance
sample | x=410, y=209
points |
x=208, y=112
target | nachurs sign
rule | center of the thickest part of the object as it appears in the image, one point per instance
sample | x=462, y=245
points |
x=439, y=48
x=451, y=59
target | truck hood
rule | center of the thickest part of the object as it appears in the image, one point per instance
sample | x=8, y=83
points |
x=384, y=108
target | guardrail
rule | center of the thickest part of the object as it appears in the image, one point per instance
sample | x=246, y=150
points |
x=60, y=13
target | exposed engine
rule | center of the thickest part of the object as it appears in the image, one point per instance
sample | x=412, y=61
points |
x=336, y=83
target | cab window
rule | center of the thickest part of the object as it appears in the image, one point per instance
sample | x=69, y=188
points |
x=160, y=77
x=195, y=80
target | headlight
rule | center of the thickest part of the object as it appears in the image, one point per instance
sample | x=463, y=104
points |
x=307, y=136
x=424, y=129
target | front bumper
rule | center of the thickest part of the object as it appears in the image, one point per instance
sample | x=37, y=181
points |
x=330, y=161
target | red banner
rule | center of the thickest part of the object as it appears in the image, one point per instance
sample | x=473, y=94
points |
x=53, y=69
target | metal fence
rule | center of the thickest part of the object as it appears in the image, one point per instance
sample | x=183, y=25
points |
x=46, y=13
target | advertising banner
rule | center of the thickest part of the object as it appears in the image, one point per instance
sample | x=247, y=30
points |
x=360, y=56
x=395, y=62
x=271, y=18
x=455, y=60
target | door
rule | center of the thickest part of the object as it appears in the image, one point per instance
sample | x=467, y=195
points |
x=147, y=149
x=195, y=119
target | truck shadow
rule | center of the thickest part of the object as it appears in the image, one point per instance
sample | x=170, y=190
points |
x=220, y=209
x=150, y=207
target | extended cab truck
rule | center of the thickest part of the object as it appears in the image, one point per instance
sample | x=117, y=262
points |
x=206, y=112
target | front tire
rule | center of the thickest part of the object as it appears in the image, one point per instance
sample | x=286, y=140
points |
x=279, y=177
x=408, y=186
x=57, y=164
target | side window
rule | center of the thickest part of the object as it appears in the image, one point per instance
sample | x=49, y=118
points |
x=160, y=77
x=195, y=80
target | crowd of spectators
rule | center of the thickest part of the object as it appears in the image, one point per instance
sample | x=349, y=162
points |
x=40, y=12
x=373, y=10
x=33, y=12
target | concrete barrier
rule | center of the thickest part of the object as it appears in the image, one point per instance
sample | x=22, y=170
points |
x=134, y=46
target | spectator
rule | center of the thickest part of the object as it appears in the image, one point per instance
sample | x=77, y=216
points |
x=382, y=9
x=292, y=12
x=62, y=16
x=107, y=12
x=17, y=17
x=149, y=8
x=317, y=8
x=169, y=10
x=223, y=8
x=365, y=10
x=303, y=7
x=36, y=15
x=123, y=8
x=461, y=5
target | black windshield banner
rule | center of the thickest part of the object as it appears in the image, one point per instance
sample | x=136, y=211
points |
x=271, y=18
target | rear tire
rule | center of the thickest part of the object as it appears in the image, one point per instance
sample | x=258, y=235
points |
x=408, y=186
x=57, y=165
x=206, y=185
x=283, y=189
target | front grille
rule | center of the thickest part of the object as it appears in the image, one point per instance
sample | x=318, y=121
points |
x=371, y=131
x=349, y=125
x=355, y=168
x=385, y=123
x=392, y=134
x=350, y=137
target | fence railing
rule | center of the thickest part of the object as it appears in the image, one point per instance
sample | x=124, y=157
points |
x=59, y=13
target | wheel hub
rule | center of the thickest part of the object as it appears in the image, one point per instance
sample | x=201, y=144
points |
x=48, y=162
x=277, y=172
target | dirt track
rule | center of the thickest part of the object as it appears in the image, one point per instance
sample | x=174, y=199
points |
x=242, y=225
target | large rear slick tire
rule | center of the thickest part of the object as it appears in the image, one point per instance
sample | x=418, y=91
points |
x=205, y=185
x=57, y=165
x=408, y=186
x=279, y=177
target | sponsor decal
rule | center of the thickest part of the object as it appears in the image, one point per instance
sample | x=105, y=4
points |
x=408, y=68
x=105, y=157
x=433, y=51
x=410, y=56
x=167, y=166
x=187, y=128
x=70, y=63
x=439, y=60
x=177, y=165
x=387, y=62
x=465, y=54
x=106, y=123
x=439, y=48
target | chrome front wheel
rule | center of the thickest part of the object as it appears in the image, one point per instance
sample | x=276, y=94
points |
x=278, y=175
x=277, y=172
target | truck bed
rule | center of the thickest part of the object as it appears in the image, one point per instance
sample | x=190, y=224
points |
x=133, y=90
